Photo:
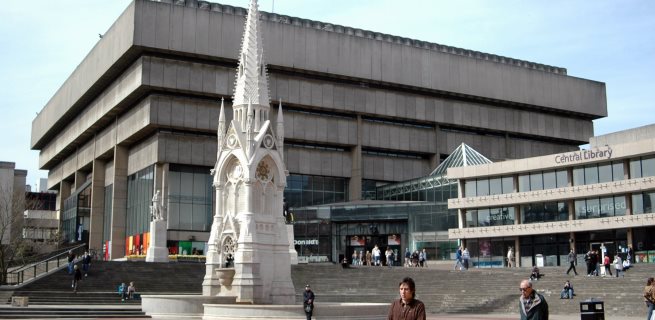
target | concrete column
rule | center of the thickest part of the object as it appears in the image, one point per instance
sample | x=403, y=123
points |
x=63, y=194
x=355, y=185
x=80, y=178
x=434, y=158
x=97, y=205
x=572, y=241
x=119, y=201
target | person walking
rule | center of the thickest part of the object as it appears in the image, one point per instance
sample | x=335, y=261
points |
x=649, y=296
x=606, y=264
x=572, y=261
x=532, y=305
x=407, y=307
x=308, y=301
x=408, y=257
x=423, y=258
x=618, y=265
x=466, y=256
x=71, y=261
x=86, y=263
x=388, y=254
x=589, y=261
x=368, y=258
x=77, y=276
x=458, y=259
x=376, y=255
x=510, y=258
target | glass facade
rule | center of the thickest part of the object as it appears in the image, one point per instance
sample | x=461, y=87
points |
x=189, y=198
x=139, y=198
x=598, y=173
x=642, y=167
x=543, y=180
x=600, y=207
x=553, y=247
x=490, y=186
x=485, y=217
x=544, y=212
x=305, y=190
x=75, y=215
x=643, y=202
x=488, y=252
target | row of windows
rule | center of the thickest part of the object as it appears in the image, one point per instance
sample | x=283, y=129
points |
x=643, y=202
x=642, y=167
x=490, y=217
x=543, y=180
x=600, y=207
x=544, y=212
x=491, y=186
x=190, y=198
x=554, y=211
x=598, y=173
x=582, y=175
x=436, y=194
x=305, y=190
x=139, y=199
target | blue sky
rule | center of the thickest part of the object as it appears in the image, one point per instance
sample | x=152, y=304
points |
x=42, y=41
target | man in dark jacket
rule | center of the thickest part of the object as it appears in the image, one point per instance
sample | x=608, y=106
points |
x=308, y=302
x=532, y=306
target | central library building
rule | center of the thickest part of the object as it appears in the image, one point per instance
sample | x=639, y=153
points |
x=367, y=116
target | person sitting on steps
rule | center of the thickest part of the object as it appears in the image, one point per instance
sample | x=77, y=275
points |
x=535, y=275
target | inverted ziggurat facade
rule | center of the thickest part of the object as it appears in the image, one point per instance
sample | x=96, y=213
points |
x=361, y=110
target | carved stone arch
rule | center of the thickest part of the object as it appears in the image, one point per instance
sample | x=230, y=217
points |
x=275, y=168
x=226, y=166
x=228, y=245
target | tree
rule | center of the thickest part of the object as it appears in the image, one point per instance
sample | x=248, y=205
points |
x=13, y=248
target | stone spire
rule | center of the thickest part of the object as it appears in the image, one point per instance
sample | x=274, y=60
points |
x=252, y=80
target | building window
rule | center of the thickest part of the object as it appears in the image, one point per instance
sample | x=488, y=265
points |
x=598, y=173
x=305, y=190
x=490, y=186
x=544, y=212
x=139, y=199
x=543, y=180
x=643, y=202
x=600, y=207
x=189, y=198
x=490, y=217
x=642, y=167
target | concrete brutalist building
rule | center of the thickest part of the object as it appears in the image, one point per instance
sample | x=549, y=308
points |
x=362, y=109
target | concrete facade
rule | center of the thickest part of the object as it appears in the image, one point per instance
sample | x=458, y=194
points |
x=630, y=155
x=359, y=105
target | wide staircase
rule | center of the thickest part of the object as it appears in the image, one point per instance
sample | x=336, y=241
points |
x=99, y=289
x=443, y=290
x=479, y=291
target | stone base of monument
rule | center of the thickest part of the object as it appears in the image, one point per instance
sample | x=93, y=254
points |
x=226, y=308
x=293, y=254
x=157, y=251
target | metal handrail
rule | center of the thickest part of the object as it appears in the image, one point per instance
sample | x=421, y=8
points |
x=26, y=273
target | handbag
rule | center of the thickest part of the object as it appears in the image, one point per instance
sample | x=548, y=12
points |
x=308, y=308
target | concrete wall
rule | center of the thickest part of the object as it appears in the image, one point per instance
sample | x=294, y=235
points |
x=215, y=35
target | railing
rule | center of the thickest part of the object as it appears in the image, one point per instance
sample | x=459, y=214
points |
x=26, y=273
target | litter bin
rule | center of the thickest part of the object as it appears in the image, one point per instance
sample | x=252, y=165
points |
x=540, y=260
x=592, y=310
